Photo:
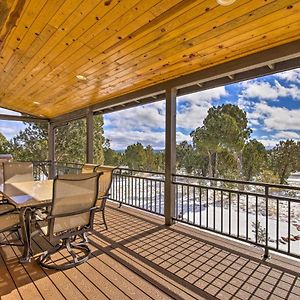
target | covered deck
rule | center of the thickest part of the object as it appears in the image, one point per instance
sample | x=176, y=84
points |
x=139, y=257
x=67, y=60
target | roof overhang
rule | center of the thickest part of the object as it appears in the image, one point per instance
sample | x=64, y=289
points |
x=278, y=59
x=61, y=58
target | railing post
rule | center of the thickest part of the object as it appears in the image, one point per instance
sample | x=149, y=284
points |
x=170, y=156
x=51, y=149
x=89, y=137
x=266, y=254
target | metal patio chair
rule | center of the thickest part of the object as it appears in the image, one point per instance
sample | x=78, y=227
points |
x=17, y=172
x=9, y=223
x=88, y=168
x=9, y=215
x=71, y=215
x=104, y=187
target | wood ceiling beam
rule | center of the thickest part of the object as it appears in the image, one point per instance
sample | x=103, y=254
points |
x=29, y=119
x=283, y=57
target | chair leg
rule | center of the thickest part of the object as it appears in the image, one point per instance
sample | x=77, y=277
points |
x=12, y=242
x=104, y=221
x=66, y=243
x=103, y=218
x=84, y=240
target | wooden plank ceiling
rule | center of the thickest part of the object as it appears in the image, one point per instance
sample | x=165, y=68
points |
x=121, y=46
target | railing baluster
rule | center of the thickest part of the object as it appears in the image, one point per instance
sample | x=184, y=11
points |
x=188, y=203
x=151, y=195
x=194, y=203
x=214, y=195
x=139, y=192
x=125, y=177
x=200, y=204
x=160, y=197
x=207, y=207
x=229, y=221
x=143, y=193
x=277, y=224
x=176, y=201
x=147, y=194
x=155, y=196
x=247, y=217
x=222, y=210
x=256, y=219
x=238, y=214
x=289, y=226
x=266, y=255
x=182, y=201
x=132, y=190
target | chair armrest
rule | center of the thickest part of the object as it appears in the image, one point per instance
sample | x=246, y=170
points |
x=6, y=208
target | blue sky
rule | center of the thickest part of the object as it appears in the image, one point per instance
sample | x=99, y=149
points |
x=272, y=104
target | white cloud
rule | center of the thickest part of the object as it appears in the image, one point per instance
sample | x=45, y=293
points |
x=144, y=124
x=254, y=122
x=284, y=135
x=292, y=75
x=276, y=118
x=268, y=143
x=8, y=112
x=121, y=139
x=194, y=113
x=265, y=91
x=180, y=137
x=142, y=118
x=11, y=128
x=140, y=124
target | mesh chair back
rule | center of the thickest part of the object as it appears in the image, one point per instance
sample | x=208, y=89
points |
x=73, y=197
x=3, y=160
x=88, y=168
x=105, y=179
x=17, y=172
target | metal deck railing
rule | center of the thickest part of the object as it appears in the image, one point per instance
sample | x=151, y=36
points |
x=262, y=214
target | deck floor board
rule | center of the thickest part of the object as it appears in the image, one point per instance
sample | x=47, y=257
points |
x=138, y=257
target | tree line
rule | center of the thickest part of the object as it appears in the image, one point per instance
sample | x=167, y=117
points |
x=222, y=148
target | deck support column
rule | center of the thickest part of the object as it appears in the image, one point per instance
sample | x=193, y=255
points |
x=89, y=137
x=170, y=155
x=51, y=149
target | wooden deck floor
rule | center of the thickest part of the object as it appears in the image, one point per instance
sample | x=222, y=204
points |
x=140, y=258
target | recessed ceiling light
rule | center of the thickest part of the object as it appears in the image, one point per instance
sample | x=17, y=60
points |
x=37, y=103
x=225, y=2
x=80, y=77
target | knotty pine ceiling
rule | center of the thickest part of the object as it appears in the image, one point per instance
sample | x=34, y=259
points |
x=121, y=46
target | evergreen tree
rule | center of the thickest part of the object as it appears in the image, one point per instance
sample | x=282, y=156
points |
x=284, y=159
x=224, y=128
x=31, y=144
x=4, y=144
x=254, y=159
x=111, y=157
x=135, y=156
x=185, y=156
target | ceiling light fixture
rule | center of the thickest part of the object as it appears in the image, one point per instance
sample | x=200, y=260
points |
x=225, y=2
x=80, y=77
x=37, y=103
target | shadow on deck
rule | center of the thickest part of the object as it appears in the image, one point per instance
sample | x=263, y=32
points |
x=140, y=258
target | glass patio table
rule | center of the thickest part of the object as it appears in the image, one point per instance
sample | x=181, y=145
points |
x=28, y=196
